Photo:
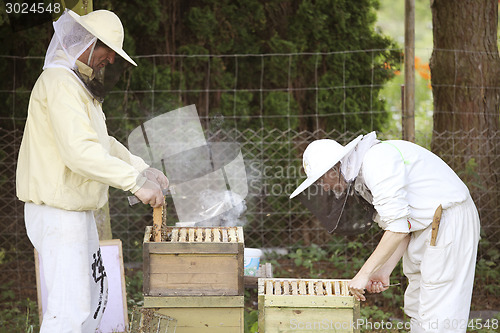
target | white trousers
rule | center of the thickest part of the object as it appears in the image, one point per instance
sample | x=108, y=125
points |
x=441, y=277
x=73, y=270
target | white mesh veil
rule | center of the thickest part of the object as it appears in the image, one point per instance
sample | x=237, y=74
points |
x=70, y=40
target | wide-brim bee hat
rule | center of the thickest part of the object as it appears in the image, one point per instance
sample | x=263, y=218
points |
x=320, y=156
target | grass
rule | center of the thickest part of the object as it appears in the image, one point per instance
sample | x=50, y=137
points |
x=17, y=315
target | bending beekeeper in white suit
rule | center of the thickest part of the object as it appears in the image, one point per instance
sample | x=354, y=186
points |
x=66, y=163
x=406, y=183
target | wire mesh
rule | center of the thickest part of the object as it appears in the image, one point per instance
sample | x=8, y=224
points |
x=270, y=141
x=273, y=221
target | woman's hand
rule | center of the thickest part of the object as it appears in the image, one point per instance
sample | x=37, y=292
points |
x=377, y=283
x=383, y=260
x=358, y=285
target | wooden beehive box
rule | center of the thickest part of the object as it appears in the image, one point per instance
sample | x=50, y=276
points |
x=205, y=314
x=305, y=305
x=194, y=262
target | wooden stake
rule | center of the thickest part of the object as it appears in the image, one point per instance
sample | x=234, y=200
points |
x=408, y=121
x=435, y=224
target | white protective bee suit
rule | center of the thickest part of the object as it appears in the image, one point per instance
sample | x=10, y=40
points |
x=66, y=163
x=406, y=183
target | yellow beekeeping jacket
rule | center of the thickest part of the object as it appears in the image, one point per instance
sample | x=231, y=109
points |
x=67, y=159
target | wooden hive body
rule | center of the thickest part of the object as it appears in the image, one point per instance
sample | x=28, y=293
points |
x=306, y=305
x=201, y=314
x=194, y=262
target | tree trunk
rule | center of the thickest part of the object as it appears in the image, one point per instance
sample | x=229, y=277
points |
x=465, y=81
x=103, y=222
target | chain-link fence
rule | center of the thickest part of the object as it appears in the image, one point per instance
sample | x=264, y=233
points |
x=272, y=159
x=262, y=114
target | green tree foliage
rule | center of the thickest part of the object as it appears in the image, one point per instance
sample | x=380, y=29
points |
x=297, y=58
x=19, y=75
x=348, y=83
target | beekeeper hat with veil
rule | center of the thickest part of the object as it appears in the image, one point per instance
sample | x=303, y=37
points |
x=74, y=34
x=345, y=213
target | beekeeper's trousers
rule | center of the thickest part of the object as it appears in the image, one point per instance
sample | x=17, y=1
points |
x=74, y=275
x=441, y=277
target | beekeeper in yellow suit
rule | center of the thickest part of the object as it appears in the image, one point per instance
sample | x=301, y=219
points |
x=66, y=163
x=405, y=183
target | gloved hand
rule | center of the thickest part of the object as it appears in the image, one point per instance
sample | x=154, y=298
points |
x=151, y=193
x=156, y=176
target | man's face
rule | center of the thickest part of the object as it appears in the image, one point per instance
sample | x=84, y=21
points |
x=101, y=57
x=333, y=180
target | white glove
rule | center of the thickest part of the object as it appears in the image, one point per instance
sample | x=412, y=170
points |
x=157, y=176
x=150, y=193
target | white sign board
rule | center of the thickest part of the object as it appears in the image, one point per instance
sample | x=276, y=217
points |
x=115, y=318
